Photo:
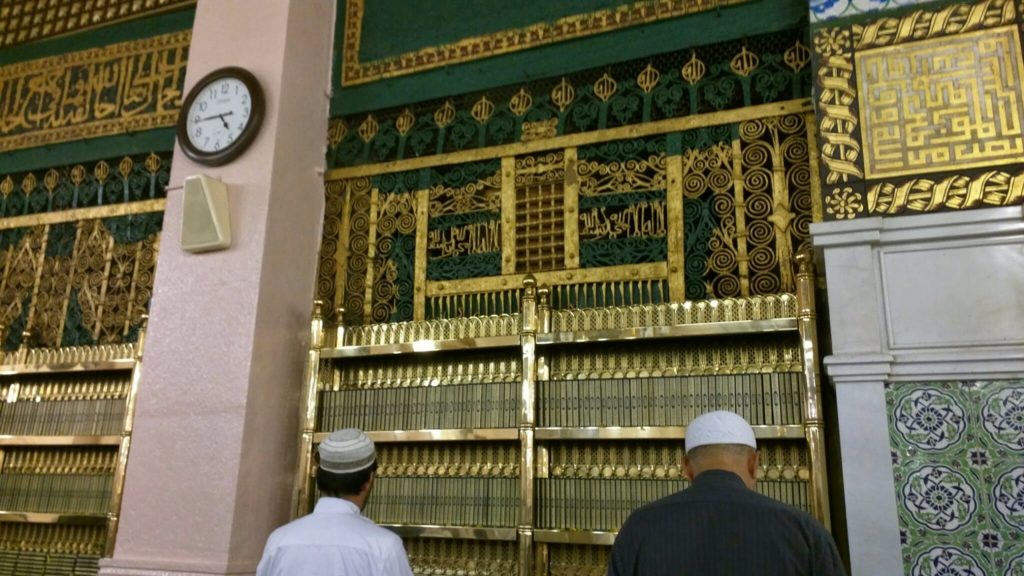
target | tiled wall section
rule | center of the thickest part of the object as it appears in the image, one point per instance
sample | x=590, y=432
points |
x=822, y=10
x=958, y=461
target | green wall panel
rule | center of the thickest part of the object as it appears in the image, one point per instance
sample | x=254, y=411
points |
x=755, y=17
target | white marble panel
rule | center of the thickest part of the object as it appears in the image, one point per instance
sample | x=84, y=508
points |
x=953, y=296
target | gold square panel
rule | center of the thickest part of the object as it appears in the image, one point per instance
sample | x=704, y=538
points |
x=942, y=104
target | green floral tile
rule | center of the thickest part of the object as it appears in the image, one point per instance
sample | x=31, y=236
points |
x=958, y=463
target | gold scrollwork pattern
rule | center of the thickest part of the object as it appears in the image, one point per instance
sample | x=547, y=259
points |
x=358, y=249
x=22, y=263
x=353, y=71
x=327, y=268
x=23, y=21
x=993, y=188
x=124, y=87
x=392, y=269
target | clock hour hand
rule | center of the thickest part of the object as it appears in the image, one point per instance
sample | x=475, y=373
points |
x=221, y=116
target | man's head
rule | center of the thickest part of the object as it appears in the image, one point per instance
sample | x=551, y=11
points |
x=348, y=461
x=721, y=441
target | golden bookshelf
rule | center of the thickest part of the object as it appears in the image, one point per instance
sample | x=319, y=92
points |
x=520, y=443
x=65, y=432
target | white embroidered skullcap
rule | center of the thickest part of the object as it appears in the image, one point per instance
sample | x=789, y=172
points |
x=347, y=450
x=721, y=427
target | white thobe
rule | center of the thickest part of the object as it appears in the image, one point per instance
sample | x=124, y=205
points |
x=335, y=540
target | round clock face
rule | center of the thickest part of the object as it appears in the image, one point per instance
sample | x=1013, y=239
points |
x=220, y=116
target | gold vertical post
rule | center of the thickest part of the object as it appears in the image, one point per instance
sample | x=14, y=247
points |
x=676, y=240
x=813, y=157
x=813, y=422
x=508, y=215
x=344, y=239
x=527, y=422
x=128, y=424
x=741, y=218
x=571, y=203
x=419, y=277
x=307, y=420
x=371, y=255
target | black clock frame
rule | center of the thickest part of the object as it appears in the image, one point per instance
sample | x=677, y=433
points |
x=248, y=134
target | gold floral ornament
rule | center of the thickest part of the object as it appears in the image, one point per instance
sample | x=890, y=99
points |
x=336, y=132
x=694, y=69
x=125, y=167
x=445, y=114
x=797, y=56
x=368, y=129
x=521, y=102
x=605, y=87
x=745, y=62
x=6, y=187
x=101, y=171
x=482, y=110
x=562, y=95
x=844, y=203
x=77, y=174
x=28, y=183
x=832, y=41
x=404, y=122
x=152, y=163
x=50, y=180
x=648, y=79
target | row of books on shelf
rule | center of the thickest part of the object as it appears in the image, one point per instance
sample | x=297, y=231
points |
x=31, y=563
x=420, y=408
x=445, y=501
x=60, y=493
x=762, y=399
x=29, y=417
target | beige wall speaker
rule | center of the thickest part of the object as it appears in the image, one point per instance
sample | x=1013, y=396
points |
x=205, y=224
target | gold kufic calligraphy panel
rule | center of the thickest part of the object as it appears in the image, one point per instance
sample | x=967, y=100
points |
x=124, y=87
x=942, y=104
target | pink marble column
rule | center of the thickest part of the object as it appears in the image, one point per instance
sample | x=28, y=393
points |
x=216, y=426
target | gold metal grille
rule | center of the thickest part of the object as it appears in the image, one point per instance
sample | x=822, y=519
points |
x=540, y=216
x=24, y=21
x=464, y=557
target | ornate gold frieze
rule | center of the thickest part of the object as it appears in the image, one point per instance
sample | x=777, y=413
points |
x=506, y=41
x=23, y=21
x=994, y=188
x=124, y=87
x=942, y=104
x=923, y=24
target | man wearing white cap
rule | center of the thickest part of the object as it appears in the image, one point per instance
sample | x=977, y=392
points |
x=336, y=539
x=719, y=525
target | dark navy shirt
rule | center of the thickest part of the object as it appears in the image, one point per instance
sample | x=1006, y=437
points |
x=718, y=527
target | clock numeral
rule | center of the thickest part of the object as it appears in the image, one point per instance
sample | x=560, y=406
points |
x=224, y=88
x=202, y=106
x=241, y=125
x=199, y=131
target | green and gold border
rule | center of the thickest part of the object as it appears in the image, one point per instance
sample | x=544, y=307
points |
x=354, y=72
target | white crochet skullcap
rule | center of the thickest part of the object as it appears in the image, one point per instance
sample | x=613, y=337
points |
x=721, y=427
x=347, y=450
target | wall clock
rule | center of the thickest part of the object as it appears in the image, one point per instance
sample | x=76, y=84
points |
x=221, y=116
